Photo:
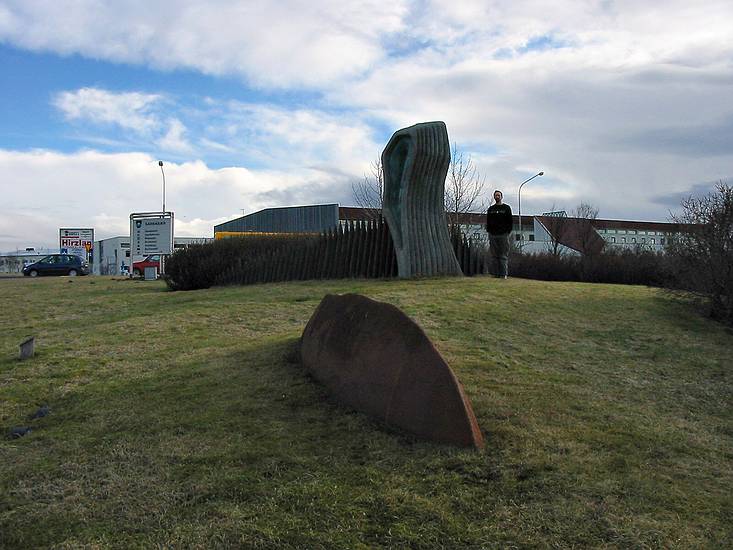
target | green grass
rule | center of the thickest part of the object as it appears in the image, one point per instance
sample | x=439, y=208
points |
x=179, y=420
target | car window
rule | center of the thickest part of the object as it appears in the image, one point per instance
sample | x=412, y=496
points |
x=65, y=259
x=52, y=260
x=47, y=260
x=155, y=258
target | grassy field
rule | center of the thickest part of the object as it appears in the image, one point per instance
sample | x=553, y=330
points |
x=181, y=420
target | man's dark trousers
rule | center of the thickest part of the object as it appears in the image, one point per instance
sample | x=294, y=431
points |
x=499, y=249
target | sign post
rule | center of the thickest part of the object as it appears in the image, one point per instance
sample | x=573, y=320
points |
x=151, y=233
x=79, y=242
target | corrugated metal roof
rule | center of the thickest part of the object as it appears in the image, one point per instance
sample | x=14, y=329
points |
x=287, y=219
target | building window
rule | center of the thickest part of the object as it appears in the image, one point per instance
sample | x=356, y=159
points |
x=661, y=241
x=632, y=232
x=531, y=236
x=610, y=231
x=623, y=240
x=517, y=236
x=654, y=241
x=633, y=240
x=613, y=240
x=643, y=239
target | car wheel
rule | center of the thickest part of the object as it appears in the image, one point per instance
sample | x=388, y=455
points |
x=137, y=273
x=72, y=272
x=33, y=273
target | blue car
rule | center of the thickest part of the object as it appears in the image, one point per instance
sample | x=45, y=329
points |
x=57, y=264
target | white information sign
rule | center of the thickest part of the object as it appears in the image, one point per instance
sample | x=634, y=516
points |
x=78, y=242
x=151, y=233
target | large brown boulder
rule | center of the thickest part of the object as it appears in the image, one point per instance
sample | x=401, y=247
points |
x=374, y=358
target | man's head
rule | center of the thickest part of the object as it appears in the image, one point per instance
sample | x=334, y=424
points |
x=498, y=196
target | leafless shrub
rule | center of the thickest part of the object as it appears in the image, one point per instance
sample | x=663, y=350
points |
x=701, y=253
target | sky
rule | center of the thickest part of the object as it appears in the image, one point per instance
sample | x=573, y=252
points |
x=626, y=105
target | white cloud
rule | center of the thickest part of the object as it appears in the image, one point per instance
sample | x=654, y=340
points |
x=91, y=189
x=174, y=140
x=298, y=137
x=275, y=43
x=129, y=110
x=249, y=133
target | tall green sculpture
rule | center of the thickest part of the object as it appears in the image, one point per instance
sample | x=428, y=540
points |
x=415, y=163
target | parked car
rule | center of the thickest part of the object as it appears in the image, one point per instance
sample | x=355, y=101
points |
x=138, y=268
x=57, y=264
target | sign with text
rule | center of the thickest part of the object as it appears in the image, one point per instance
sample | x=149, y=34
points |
x=78, y=242
x=151, y=233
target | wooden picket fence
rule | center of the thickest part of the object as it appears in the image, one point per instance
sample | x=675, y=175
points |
x=473, y=256
x=361, y=249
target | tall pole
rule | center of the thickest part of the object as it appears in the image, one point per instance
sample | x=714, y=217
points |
x=160, y=163
x=521, y=236
x=162, y=256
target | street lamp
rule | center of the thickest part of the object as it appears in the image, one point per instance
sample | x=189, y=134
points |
x=160, y=163
x=521, y=236
x=162, y=256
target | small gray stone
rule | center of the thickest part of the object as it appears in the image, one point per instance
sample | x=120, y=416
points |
x=41, y=412
x=28, y=348
x=19, y=431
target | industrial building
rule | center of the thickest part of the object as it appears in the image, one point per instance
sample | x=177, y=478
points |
x=537, y=232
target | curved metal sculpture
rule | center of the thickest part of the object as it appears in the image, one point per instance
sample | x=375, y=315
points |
x=415, y=163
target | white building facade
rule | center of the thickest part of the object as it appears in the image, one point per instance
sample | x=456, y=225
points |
x=112, y=256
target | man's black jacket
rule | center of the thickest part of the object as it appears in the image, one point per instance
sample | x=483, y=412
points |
x=499, y=219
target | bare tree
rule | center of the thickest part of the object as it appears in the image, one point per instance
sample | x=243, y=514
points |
x=369, y=192
x=463, y=187
x=557, y=227
x=587, y=239
x=701, y=254
x=575, y=231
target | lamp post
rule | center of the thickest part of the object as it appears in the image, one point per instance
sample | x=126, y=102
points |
x=160, y=163
x=162, y=256
x=521, y=236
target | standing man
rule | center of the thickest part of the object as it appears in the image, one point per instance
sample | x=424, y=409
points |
x=499, y=225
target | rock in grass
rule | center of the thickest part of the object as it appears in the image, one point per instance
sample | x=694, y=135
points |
x=28, y=348
x=19, y=431
x=374, y=358
x=41, y=412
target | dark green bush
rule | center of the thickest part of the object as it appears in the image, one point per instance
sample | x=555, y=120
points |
x=206, y=265
x=630, y=267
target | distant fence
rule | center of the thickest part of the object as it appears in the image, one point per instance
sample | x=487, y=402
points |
x=472, y=255
x=361, y=249
x=355, y=250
